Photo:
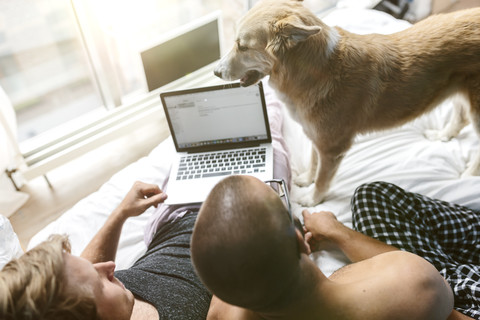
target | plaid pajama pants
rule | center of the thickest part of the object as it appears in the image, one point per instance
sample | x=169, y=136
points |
x=445, y=234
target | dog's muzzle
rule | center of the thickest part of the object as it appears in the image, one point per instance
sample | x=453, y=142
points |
x=251, y=77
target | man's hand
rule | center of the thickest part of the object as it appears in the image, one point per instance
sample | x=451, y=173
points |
x=324, y=231
x=140, y=197
x=321, y=229
x=103, y=246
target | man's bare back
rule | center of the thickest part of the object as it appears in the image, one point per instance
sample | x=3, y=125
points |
x=392, y=285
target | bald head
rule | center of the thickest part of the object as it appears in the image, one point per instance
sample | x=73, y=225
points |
x=244, y=246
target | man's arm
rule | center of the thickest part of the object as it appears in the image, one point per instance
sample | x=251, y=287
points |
x=455, y=315
x=324, y=231
x=103, y=246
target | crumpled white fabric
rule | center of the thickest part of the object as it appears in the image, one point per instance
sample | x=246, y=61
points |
x=402, y=156
x=10, y=247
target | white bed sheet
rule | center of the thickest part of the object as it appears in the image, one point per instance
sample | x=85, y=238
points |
x=402, y=156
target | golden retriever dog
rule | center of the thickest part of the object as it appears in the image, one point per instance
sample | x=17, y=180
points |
x=337, y=84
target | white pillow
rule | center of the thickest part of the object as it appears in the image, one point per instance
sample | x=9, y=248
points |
x=10, y=247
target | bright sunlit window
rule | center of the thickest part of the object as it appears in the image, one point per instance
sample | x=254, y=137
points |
x=60, y=60
x=43, y=66
x=134, y=25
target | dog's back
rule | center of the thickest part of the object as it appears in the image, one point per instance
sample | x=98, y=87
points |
x=452, y=39
x=387, y=79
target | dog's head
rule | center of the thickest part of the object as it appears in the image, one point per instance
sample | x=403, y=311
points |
x=264, y=35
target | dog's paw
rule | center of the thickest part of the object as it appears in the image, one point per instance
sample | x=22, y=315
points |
x=303, y=180
x=473, y=169
x=435, y=135
x=311, y=198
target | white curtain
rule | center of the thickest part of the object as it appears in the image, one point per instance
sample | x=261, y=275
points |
x=10, y=199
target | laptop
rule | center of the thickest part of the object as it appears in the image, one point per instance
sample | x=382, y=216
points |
x=217, y=131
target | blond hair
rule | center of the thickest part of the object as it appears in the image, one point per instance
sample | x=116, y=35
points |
x=34, y=286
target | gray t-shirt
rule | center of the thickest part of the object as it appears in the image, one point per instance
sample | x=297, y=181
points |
x=164, y=275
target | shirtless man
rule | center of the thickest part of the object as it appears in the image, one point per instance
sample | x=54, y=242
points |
x=249, y=254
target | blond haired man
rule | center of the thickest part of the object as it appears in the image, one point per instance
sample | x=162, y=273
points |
x=41, y=292
x=48, y=282
x=160, y=285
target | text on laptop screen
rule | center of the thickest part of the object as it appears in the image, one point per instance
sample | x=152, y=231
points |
x=222, y=116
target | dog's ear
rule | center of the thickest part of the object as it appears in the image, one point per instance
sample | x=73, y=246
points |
x=287, y=33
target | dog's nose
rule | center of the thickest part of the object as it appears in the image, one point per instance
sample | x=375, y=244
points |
x=217, y=73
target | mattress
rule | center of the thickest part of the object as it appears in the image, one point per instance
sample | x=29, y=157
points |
x=403, y=156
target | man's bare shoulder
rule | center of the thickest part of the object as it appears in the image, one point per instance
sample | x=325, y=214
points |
x=395, y=282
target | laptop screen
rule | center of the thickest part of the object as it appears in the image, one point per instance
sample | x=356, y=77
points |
x=179, y=56
x=219, y=117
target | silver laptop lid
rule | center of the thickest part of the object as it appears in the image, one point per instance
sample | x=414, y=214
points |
x=217, y=117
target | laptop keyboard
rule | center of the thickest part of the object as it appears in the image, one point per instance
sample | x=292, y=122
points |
x=243, y=161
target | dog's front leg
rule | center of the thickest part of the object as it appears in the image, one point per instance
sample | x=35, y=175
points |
x=329, y=163
x=473, y=168
x=308, y=177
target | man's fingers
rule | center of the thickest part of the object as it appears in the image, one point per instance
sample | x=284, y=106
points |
x=146, y=189
x=308, y=236
x=154, y=200
x=157, y=198
x=151, y=190
x=306, y=214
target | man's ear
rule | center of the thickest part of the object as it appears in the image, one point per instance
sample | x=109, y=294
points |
x=287, y=33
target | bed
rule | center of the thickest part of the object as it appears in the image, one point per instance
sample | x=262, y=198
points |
x=402, y=156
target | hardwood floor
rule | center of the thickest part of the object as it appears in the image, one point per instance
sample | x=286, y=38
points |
x=85, y=175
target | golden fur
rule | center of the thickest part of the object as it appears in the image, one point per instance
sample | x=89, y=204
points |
x=337, y=84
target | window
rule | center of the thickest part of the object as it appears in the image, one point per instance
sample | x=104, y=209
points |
x=134, y=25
x=61, y=61
x=74, y=72
x=43, y=66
